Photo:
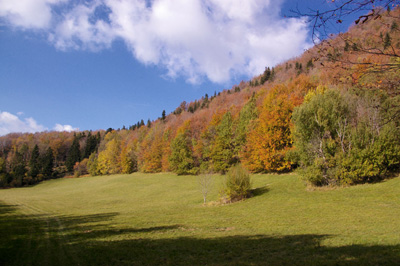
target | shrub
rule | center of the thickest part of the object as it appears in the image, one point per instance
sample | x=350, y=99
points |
x=237, y=184
x=80, y=168
x=346, y=138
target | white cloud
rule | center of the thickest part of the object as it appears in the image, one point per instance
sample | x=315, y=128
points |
x=68, y=128
x=216, y=39
x=28, y=13
x=11, y=123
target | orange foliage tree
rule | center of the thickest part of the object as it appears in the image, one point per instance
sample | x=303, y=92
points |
x=269, y=137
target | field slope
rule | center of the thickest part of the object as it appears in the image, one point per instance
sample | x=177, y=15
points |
x=159, y=219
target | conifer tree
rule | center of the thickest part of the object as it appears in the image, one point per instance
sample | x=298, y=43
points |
x=74, y=154
x=34, y=167
x=18, y=168
x=48, y=163
x=91, y=145
x=163, y=116
x=222, y=151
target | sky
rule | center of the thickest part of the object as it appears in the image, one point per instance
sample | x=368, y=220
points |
x=94, y=64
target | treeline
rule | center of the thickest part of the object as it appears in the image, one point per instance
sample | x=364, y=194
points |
x=336, y=120
x=27, y=159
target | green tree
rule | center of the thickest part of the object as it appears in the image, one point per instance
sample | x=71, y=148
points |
x=163, y=116
x=92, y=165
x=347, y=138
x=3, y=173
x=18, y=169
x=34, y=166
x=74, y=154
x=181, y=159
x=91, y=145
x=247, y=114
x=222, y=151
x=237, y=184
x=48, y=164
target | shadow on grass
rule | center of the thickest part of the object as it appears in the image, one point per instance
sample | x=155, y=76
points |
x=259, y=191
x=86, y=240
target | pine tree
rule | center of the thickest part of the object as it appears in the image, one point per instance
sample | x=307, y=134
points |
x=222, y=151
x=74, y=154
x=387, y=41
x=91, y=145
x=18, y=168
x=48, y=163
x=34, y=167
x=163, y=116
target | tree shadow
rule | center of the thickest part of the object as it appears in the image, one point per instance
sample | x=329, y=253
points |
x=259, y=191
x=92, y=240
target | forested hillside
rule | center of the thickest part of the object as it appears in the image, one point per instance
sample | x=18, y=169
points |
x=332, y=112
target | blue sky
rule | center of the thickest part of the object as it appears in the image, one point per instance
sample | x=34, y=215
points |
x=90, y=65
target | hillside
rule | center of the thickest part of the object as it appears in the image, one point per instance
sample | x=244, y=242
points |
x=265, y=124
x=158, y=219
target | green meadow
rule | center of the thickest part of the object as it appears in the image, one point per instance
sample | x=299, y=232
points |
x=160, y=219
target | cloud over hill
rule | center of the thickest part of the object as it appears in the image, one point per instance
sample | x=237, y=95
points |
x=196, y=39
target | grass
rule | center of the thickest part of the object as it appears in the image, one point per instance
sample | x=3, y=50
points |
x=159, y=219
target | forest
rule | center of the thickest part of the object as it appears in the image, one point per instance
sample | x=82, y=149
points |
x=332, y=114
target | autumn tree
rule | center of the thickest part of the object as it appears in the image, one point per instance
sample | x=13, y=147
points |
x=150, y=150
x=270, y=137
x=109, y=159
x=324, y=21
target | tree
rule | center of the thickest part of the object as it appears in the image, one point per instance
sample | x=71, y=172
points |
x=3, y=173
x=346, y=138
x=206, y=181
x=91, y=145
x=323, y=20
x=222, y=150
x=246, y=116
x=163, y=115
x=34, y=166
x=181, y=158
x=92, y=165
x=237, y=184
x=150, y=150
x=109, y=159
x=266, y=75
x=48, y=164
x=373, y=54
x=18, y=169
x=74, y=154
x=270, y=137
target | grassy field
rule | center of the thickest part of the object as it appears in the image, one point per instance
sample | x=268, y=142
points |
x=159, y=219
